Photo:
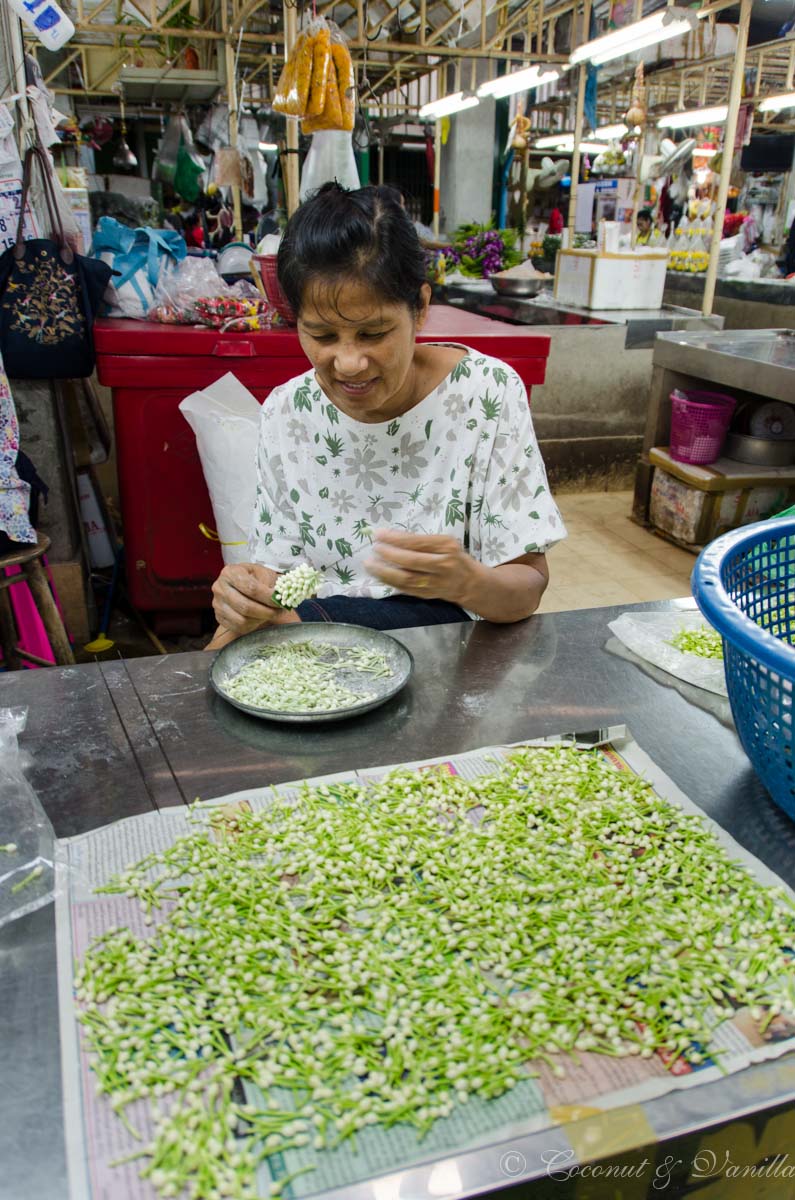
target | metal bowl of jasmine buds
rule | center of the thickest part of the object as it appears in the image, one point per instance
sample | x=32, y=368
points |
x=311, y=672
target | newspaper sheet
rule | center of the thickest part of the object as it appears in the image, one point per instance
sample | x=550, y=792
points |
x=96, y=1137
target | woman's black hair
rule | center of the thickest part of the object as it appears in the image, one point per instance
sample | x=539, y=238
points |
x=364, y=235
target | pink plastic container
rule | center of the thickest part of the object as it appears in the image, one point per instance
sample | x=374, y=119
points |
x=699, y=424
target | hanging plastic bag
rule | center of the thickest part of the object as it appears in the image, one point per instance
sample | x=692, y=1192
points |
x=346, y=77
x=166, y=164
x=321, y=61
x=27, y=841
x=292, y=92
x=339, y=110
x=227, y=169
x=330, y=158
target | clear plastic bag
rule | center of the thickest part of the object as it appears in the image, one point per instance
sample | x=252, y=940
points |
x=166, y=164
x=346, y=77
x=27, y=840
x=650, y=634
x=339, y=110
x=195, y=294
x=321, y=63
x=177, y=292
x=292, y=91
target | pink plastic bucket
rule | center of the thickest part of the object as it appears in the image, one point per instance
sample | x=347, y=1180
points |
x=699, y=424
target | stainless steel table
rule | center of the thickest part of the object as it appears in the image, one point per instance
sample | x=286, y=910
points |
x=120, y=738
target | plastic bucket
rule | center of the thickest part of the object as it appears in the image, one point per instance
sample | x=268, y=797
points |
x=266, y=265
x=699, y=424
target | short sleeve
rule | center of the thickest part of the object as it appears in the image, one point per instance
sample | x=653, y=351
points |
x=274, y=538
x=513, y=512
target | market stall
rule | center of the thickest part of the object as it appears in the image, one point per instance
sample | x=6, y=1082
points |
x=148, y=735
x=501, y=901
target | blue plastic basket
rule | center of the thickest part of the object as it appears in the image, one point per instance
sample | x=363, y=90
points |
x=744, y=584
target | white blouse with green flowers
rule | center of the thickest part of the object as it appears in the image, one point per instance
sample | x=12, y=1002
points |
x=463, y=462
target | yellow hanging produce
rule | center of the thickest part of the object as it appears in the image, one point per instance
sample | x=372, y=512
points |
x=346, y=82
x=318, y=83
x=285, y=98
x=331, y=116
x=321, y=61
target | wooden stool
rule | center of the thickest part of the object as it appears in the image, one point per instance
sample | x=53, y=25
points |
x=33, y=574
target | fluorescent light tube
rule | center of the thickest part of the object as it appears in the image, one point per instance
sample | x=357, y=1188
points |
x=696, y=116
x=550, y=141
x=611, y=131
x=447, y=105
x=776, y=103
x=564, y=144
x=667, y=23
x=518, y=81
x=268, y=146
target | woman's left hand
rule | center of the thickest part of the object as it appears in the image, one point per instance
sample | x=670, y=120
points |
x=429, y=566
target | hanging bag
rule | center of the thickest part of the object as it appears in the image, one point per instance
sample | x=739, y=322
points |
x=49, y=296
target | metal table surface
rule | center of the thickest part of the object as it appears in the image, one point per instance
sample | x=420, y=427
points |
x=114, y=739
x=641, y=324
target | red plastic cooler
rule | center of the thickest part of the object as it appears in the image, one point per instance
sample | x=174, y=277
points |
x=151, y=368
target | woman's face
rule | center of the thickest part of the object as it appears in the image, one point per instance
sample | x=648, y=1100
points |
x=362, y=348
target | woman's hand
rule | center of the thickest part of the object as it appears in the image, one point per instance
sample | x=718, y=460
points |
x=243, y=602
x=429, y=566
x=435, y=566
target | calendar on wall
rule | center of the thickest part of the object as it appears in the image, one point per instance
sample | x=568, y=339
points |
x=10, y=202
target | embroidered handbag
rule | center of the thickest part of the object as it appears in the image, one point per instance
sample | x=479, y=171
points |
x=49, y=297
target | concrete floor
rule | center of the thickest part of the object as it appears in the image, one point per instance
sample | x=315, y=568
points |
x=608, y=559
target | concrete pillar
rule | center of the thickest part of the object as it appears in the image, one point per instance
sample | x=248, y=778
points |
x=467, y=164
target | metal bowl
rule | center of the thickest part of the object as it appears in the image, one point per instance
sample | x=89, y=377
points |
x=514, y=285
x=762, y=452
x=237, y=654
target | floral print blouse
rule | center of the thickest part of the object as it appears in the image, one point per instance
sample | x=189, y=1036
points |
x=14, y=494
x=463, y=462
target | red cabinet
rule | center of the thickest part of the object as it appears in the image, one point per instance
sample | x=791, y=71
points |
x=151, y=368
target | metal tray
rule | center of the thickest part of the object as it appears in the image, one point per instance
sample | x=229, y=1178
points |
x=237, y=654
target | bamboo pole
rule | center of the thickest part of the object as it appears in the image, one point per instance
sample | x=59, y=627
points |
x=729, y=133
x=575, y=158
x=231, y=99
x=292, y=175
x=437, y=175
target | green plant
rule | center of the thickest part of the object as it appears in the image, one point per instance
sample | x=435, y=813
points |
x=485, y=250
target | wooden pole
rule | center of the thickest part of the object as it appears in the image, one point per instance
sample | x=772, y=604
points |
x=291, y=181
x=231, y=99
x=578, y=121
x=437, y=174
x=729, y=134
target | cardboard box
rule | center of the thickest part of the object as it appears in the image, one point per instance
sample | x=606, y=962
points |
x=692, y=504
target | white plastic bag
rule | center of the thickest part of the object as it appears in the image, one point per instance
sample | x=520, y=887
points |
x=26, y=836
x=330, y=158
x=225, y=419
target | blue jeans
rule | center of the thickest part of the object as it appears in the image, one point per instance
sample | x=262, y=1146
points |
x=393, y=612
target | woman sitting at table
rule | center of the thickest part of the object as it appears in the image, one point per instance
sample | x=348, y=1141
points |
x=408, y=473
